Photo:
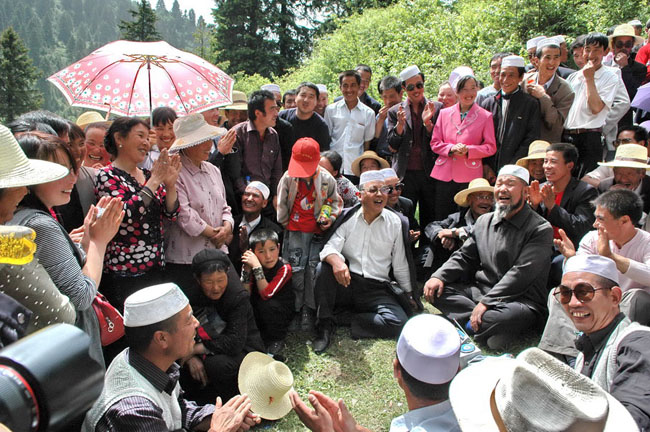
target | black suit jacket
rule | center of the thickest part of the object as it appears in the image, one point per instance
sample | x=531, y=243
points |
x=234, y=251
x=633, y=75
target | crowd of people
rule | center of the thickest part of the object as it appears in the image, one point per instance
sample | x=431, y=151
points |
x=515, y=209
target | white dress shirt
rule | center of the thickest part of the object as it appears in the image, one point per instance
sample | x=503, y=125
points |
x=432, y=418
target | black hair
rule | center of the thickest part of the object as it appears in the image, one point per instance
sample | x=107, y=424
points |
x=499, y=55
x=209, y=261
x=309, y=84
x=463, y=80
x=363, y=68
x=351, y=73
x=19, y=126
x=59, y=124
x=422, y=390
x=288, y=92
x=121, y=126
x=640, y=134
x=163, y=115
x=578, y=42
x=256, y=102
x=262, y=236
x=389, y=82
x=75, y=132
x=139, y=338
x=569, y=151
x=521, y=70
x=596, y=38
x=335, y=159
x=538, y=52
x=621, y=202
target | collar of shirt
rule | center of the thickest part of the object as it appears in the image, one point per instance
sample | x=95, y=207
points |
x=189, y=165
x=162, y=381
x=341, y=104
x=359, y=214
x=548, y=83
x=416, y=417
x=592, y=343
x=250, y=226
x=420, y=105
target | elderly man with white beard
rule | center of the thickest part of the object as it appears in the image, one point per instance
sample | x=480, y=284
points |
x=495, y=284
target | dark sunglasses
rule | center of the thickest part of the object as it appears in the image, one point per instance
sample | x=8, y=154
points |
x=398, y=187
x=412, y=87
x=624, y=141
x=621, y=44
x=583, y=292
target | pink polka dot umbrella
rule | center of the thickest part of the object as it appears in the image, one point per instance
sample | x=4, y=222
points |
x=133, y=78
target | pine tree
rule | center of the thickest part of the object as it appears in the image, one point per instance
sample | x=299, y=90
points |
x=143, y=28
x=18, y=77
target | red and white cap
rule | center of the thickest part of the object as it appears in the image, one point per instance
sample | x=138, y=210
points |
x=305, y=156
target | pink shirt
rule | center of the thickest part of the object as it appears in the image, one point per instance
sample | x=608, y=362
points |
x=202, y=197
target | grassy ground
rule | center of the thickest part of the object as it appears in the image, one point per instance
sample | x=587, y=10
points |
x=359, y=371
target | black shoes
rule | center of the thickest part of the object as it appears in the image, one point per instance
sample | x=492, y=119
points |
x=322, y=342
x=307, y=318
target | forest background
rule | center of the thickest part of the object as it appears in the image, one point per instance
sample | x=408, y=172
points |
x=289, y=41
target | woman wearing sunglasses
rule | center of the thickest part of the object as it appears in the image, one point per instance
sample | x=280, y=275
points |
x=462, y=137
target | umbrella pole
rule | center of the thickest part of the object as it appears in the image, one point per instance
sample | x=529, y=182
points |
x=149, y=80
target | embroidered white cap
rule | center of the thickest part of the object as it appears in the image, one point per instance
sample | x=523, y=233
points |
x=409, y=72
x=548, y=41
x=560, y=38
x=515, y=170
x=514, y=61
x=322, y=88
x=260, y=187
x=388, y=173
x=369, y=176
x=429, y=349
x=532, y=43
x=271, y=87
x=595, y=264
x=153, y=304
x=458, y=73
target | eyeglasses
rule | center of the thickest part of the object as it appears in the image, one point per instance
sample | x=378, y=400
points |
x=397, y=188
x=583, y=292
x=620, y=44
x=385, y=190
x=624, y=141
x=485, y=197
x=411, y=87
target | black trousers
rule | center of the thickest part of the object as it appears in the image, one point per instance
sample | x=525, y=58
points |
x=590, y=151
x=377, y=314
x=420, y=188
x=274, y=315
x=117, y=288
x=222, y=371
x=444, y=203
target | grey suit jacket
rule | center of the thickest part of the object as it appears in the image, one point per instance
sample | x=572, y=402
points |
x=554, y=107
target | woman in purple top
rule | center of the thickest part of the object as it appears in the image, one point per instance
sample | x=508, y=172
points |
x=135, y=257
x=205, y=220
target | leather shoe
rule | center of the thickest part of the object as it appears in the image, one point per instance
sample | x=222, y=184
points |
x=323, y=341
x=307, y=319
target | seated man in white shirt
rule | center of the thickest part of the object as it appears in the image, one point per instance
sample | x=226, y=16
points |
x=616, y=237
x=366, y=243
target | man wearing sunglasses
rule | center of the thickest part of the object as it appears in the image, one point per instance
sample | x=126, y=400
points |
x=614, y=351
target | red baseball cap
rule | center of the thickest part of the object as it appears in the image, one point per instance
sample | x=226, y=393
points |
x=305, y=156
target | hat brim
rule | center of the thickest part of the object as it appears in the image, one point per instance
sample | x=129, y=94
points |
x=35, y=172
x=302, y=169
x=638, y=40
x=201, y=135
x=461, y=197
x=260, y=405
x=356, y=164
x=106, y=123
x=239, y=106
x=624, y=164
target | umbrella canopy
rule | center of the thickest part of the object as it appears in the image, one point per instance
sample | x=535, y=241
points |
x=133, y=78
x=642, y=98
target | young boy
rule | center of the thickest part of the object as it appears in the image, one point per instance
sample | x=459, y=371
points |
x=303, y=191
x=268, y=279
x=163, y=127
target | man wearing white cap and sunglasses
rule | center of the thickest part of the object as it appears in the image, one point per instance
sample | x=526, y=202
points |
x=495, y=284
x=141, y=390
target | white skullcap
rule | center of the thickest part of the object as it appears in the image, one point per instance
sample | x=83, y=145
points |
x=559, y=38
x=595, y=264
x=429, y=349
x=515, y=170
x=153, y=304
x=548, y=41
x=636, y=23
x=514, y=61
x=532, y=43
x=322, y=88
x=409, y=72
x=260, y=187
x=388, y=173
x=458, y=73
x=369, y=176
x=272, y=88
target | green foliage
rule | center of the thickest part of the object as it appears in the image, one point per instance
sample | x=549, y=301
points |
x=18, y=93
x=143, y=26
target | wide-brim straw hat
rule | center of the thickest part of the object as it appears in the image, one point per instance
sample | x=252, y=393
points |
x=192, y=130
x=627, y=31
x=239, y=102
x=267, y=383
x=629, y=156
x=476, y=185
x=368, y=154
x=536, y=150
x=16, y=170
x=534, y=392
x=90, y=117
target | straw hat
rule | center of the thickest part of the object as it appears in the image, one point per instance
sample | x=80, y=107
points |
x=476, y=185
x=239, y=102
x=534, y=392
x=267, y=383
x=629, y=156
x=368, y=154
x=91, y=117
x=16, y=170
x=536, y=150
x=625, y=30
x=192, y=130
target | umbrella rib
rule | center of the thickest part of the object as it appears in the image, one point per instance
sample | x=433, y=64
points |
x=135, y=79
x=175, y=89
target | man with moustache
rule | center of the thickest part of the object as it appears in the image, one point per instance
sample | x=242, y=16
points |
x=495, y=285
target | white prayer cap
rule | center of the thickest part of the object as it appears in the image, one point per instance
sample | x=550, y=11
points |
x=548, y=41
x=322, y=88
x=409, y=72
x=429, y=349
x=388, y=173
x=596, y=264
x=153, y=304
x=532, y=43
x=458, y=73
x=272, y=88
x=260, y=187
x=636, y=23
x=369, y=176
x=560, y=39
x=514, y=61
x=515, y=170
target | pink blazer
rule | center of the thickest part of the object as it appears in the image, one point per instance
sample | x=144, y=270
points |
x=476, y=132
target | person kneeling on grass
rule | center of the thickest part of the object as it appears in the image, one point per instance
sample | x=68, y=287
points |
x=272, y=297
